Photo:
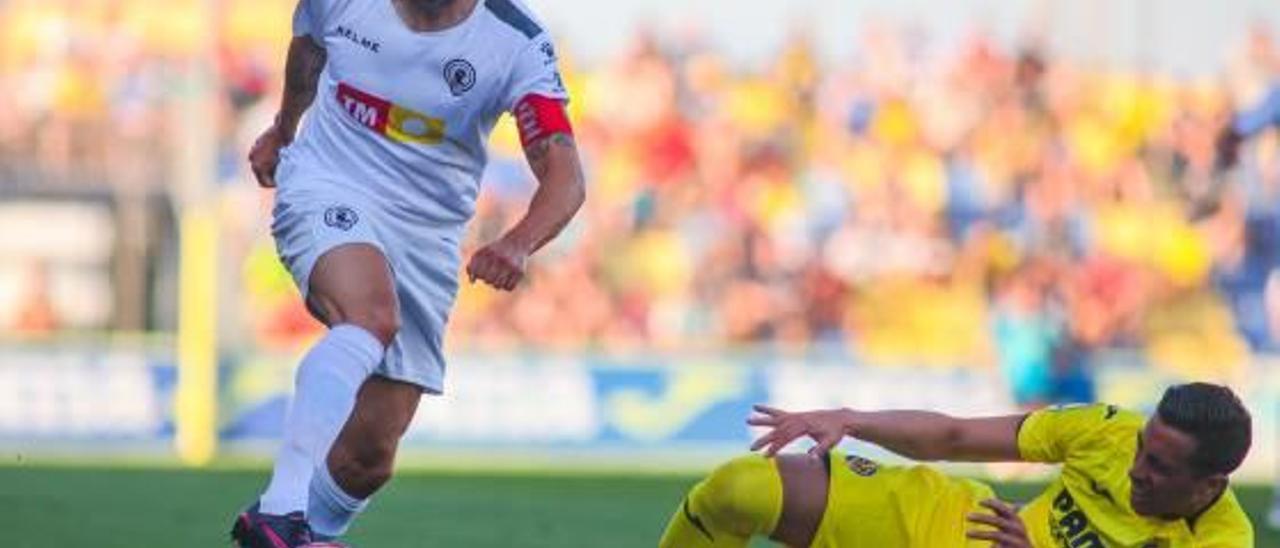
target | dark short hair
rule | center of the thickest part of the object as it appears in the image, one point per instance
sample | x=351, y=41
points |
x=1215, y=418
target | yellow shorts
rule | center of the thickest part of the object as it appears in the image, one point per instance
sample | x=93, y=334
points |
x=877, y=506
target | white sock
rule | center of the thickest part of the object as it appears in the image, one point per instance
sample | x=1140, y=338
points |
x=331, y=510
x=323, y=396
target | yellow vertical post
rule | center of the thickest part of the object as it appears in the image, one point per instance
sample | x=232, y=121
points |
x=195, y=405
x=194, y=123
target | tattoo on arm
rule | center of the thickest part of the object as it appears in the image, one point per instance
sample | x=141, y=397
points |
x=554, y=160
x=301, y=76
x=538, y=151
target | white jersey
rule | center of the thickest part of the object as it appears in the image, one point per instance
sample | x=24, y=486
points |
x=403, y=116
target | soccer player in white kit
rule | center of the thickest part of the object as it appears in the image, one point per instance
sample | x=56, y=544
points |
x=372, y=197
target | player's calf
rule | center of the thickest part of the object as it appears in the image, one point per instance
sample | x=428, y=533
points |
x=362, y=470
x=362, y=457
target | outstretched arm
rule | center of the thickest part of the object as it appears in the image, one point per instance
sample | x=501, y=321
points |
x=920, y=435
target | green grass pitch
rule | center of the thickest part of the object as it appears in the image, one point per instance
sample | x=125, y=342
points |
x=67, y=507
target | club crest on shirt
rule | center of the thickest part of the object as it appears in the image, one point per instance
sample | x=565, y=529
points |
x=341, y=217
x=460, y=75
x=862, y=467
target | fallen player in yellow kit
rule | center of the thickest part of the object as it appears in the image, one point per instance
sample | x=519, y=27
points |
x=1123, y=483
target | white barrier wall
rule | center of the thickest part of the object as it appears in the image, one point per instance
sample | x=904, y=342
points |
x=593, y=407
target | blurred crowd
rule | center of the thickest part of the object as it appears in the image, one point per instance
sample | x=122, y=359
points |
x=98, y=88
x=979, y=206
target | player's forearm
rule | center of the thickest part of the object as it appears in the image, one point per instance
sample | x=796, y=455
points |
x=302, y=70
x=920, y=435
x=561, y=192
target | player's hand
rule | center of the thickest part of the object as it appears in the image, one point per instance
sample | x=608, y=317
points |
x=265, y=154
x=499, y=264
x=826, y=428
x=1007, y=529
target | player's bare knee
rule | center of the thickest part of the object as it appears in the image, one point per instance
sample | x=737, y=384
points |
x=379, y=316
x=804, y=498
x=382, y=320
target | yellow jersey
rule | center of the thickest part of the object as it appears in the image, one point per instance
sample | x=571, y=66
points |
x=1087, y=504
x=872, y=505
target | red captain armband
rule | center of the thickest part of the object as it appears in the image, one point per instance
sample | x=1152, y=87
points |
x=538, y=116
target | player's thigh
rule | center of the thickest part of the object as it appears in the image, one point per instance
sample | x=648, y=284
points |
x=804, y=498
x=352, y=283
x=384, y=408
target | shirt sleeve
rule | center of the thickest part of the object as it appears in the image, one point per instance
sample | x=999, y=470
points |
x=1051, y=435
x=306, y=20
x=535, y=71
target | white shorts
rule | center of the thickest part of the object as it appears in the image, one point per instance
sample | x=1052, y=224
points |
x=313, y=215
